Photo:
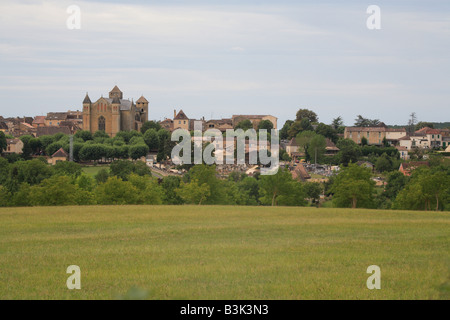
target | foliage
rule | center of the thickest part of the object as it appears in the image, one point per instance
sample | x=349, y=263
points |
x=151, y=138
x=284, y=132
x=115, y=191
x=349, y=151
x=3, y=143
x=244, y=125
x=353, y=187
x=281, y=189
x=194, y=192
x=306, y=114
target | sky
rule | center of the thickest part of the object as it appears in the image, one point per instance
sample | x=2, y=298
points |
x=215, y=58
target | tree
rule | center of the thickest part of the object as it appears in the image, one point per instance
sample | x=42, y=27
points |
x=281, y=186
x=426, y=190
x=396, y=181
x=423, y=124
x=123, y=168
x=349, y=151
x=265, y=124
x=337, y=123
x=284, y=135
x=244, y=125
x=115, y=191
x=68, y=168
x=353, y=187
x=249, y=188
x=3, y=143
x=102, y=176
x=307, y=114
x=84, y=134
x=360, y=121
x=27, y=150
x=412, y=123
x=313, y=191
x=384, y=163
x=316, y=148
x=94, y=151
x=364, y=141
x=58, y=191
x=137, y=151
x=151, y=138
x=193, y=192
x=149, y=190
x=169, y=185
x=100, y=134
x=31, y=172
x=327, y=131
x=150, y=125
x=205, y=174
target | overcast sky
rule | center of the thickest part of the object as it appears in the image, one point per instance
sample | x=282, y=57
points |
x=219, y=58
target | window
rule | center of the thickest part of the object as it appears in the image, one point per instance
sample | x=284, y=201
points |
x=101, y=124
x=179, y=122
x=184, y=122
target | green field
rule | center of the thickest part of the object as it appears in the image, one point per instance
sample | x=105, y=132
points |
x=93, y=170
x=217, y=252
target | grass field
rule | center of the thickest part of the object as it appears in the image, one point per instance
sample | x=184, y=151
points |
x=191, y=252
x=93, y=170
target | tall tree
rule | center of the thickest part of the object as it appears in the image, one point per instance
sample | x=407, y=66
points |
x=353, y=187
x=412, y=122
x=307, y=114
x=284, y=132
x=3, y=144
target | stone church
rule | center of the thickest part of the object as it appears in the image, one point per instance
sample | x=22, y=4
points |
x=114, y=114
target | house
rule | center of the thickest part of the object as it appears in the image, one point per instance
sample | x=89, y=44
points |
x=55, y=118
x=4, y=127
x=403, y=151
x=375, y=135
x=407, y=167
x=58, y=156
x=415, y=140
x=433, y=136
x=167, y=124
x=330, y=149
x=39, y=121
x=14, y=146
x=300, y=173
x=222, y=124
x=180, y=120
x=254, y=119
x=49, y=131
x=445, y=141
x=292, y=147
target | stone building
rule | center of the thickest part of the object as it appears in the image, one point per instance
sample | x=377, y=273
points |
x=114, y=114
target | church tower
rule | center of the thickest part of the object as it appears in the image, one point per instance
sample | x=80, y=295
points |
x=116, y=93
x=87, y=104
x=142, y=108
x=115, y=115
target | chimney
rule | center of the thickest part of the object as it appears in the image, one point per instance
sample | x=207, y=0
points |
x=174, y=113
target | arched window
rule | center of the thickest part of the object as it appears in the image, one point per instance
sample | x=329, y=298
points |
x=101, y=123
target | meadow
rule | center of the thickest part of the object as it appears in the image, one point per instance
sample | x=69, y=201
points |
x=223, y=252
